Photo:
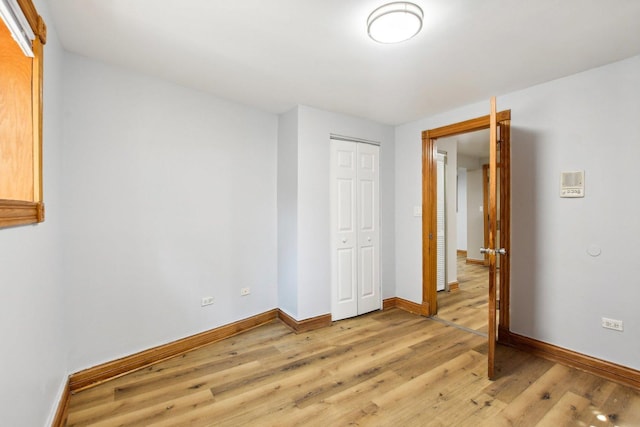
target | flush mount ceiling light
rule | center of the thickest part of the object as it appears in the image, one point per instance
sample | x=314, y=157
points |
x=395, y=22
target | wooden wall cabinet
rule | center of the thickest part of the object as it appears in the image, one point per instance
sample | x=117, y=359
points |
x=21, y=200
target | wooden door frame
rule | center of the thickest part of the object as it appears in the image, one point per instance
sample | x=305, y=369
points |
x=429, y=202
x=485, y=211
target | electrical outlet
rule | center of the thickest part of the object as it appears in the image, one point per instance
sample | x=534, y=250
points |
x=206, y=301
x=245, y=291
x=612, y=324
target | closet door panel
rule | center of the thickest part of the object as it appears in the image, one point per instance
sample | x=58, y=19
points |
x=344, y=261
x=369, y=295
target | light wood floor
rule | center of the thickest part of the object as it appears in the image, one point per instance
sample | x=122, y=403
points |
x=468, y=306
x=387, y=368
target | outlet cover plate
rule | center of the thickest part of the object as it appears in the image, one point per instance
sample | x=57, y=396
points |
x=614, y=324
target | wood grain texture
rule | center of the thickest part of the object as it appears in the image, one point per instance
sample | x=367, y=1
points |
x=504, y=319
x=305, y=325
x=15, y=212
x=406, y=305
x=60, y=418
x=385, y=368
x=429, y=153
x=472, y=125
x=116, y=368
x=36, y=23
x=611, y=371
x=21, y=125
x=16, y=127
x=36, y=121
x=429, y=223
x=468, y=305
x=493, y=230
x=485, y=210
x=389, y=303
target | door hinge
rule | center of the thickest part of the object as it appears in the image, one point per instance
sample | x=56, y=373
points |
x=430, y=236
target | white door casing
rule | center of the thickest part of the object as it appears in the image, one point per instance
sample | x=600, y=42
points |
x=355, y=234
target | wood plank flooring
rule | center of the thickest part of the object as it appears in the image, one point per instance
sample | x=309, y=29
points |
x=386, y=368
x=468, y=306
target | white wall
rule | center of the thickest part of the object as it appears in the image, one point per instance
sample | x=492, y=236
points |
x=170, y=195
x=475, y=216
x=461, y=214
x=313, y=245
x=34, y=345
x=465, y=163
x=288, y=212
x=408, y=167
x=469, y=162
x=587, y=121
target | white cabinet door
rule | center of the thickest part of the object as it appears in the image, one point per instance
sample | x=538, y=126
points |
x=355, y=235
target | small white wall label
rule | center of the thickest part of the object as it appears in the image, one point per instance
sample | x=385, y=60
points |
x=572, y=184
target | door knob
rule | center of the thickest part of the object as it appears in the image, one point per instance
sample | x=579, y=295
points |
x=502, y=251
x=344, y=240
x=368, y=239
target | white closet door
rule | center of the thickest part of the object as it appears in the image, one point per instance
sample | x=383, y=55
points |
x=355, y=234
x=369, y=298
x=344, y=260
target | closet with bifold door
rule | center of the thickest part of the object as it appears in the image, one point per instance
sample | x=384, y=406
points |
x=355, y=227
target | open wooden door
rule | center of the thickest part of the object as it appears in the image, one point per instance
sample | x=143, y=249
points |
x=498, y=216
x=493, y=229
x=498, y=210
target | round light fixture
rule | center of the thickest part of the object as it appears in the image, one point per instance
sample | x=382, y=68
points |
x=395, y=22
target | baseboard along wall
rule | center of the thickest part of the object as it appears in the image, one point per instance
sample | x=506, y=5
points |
x=406, y=305
x=305, y=325
x=110, y=370
x=611, y=371
x=60, y=419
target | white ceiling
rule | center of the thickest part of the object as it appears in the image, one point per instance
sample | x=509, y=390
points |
x=472, y=144
x=279, y=53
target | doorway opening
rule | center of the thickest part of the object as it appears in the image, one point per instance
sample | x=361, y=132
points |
x=463, y=301
x=497, y=214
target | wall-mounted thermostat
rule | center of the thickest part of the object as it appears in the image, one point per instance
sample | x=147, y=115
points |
x=572, y=184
